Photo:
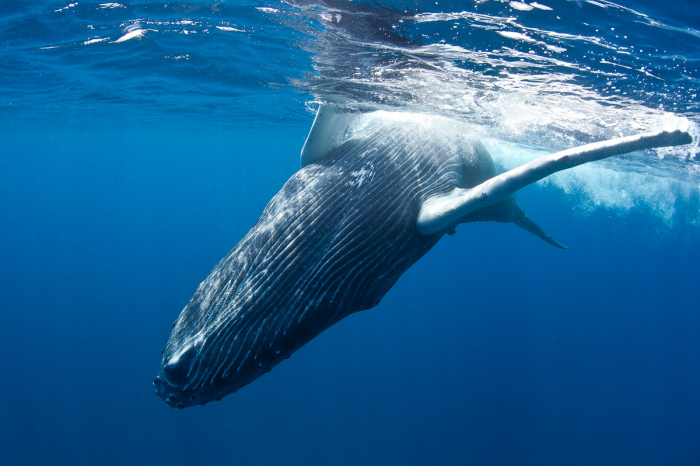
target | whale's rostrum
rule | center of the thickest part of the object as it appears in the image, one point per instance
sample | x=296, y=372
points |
x=365, y=206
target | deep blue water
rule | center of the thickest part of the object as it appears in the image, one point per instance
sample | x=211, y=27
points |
x=125, y=176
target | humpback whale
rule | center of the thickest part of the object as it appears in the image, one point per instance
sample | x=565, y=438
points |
x=375, y=193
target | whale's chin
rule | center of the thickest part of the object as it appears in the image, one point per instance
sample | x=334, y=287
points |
x=178, y=397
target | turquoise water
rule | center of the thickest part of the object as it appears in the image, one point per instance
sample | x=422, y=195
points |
x=141, y=141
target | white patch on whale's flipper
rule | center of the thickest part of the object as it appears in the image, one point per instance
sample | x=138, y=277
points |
x=327, y=133
x=439, y=212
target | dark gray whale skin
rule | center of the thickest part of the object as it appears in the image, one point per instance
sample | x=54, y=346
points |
x=332, y=242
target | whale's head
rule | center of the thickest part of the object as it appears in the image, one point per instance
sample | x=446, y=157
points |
x=218, y=343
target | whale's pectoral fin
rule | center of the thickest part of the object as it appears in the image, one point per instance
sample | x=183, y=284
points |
x=507, y=211
x=327, y=133
x=527, y=224
x=439, y=212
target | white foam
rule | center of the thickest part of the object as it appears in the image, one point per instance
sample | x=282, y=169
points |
x=96, y=40
x=593, y=2
x=540, y=6
x=135, y=34
x=554, y=48
x=70, y=5
x=477, y=17
x=516, y=36
x=229, y=29
x=520, y=6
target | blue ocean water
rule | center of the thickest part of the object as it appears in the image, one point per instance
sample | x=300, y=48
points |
x=142, y=140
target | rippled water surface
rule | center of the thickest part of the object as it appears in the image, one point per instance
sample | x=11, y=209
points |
x=477, y=60
x=548, y=75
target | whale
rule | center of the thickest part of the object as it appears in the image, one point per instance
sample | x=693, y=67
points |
x=375, y=192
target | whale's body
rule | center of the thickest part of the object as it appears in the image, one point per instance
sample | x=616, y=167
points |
x=332, y=242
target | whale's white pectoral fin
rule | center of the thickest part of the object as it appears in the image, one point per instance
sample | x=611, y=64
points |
x=326, y=133
x=439, y=212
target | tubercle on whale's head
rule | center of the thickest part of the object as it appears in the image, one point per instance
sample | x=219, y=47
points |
x=173, y=381
x=182, y=381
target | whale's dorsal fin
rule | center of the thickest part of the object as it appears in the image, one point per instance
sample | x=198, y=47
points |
x=327, y=133
x=440, y=212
